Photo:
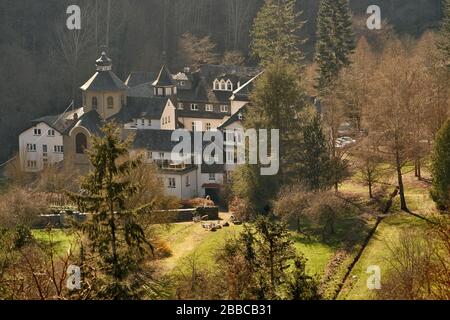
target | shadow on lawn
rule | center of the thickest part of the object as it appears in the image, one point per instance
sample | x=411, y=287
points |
x=349, y=231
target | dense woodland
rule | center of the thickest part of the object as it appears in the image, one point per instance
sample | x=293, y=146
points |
x=37, y=67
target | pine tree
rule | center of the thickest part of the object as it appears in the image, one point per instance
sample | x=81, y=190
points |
x=270, y=251
x=335, y=41
x=315, y=158
x=275, y=33
x=441, y=168
x=116, y=243
x=278, y=101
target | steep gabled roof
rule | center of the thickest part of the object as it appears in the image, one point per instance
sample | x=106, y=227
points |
x=243, y=92
x=90, y=121
x=149, y=108
x=104, y=81
x=164, y=78
x=234, y=118
x=137, y=78
x=154, y=140
x=59, y=122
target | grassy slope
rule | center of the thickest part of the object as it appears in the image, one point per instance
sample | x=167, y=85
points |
x=419, y=201
x=61, y=238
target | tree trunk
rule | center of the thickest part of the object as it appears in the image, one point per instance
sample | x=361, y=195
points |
x=370, y=190
x=400, y=182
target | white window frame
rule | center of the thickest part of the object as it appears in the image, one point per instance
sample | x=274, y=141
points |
x=224, y=108
x=216, y=84
x=212, y=177
x=51, y=132
x=209, y=108
x=194, y=107
x=31, y=147
x=229, y=85
x=37, y=132
x=172, y=183
x=223, y=85
x=180, y=106
x=58, y=149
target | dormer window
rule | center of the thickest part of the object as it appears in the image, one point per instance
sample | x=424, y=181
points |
x=168, y=91
x=216, y=84
x=224, y=108
x=223, y=85
x=229, y=85
x=194, y=107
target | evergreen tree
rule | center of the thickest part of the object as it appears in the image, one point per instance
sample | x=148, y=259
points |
x=301, y=286
x=116, y=244
x=315, y=158
x=441, y=168
x=275, y=33
x=278, y=102
x=335, y=41
x=269, y=252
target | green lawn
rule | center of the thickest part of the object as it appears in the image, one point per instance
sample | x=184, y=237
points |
x=62, y=239
x=376, y=254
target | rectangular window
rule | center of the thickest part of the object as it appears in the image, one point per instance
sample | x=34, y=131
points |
x=188, y=182
x=58, y=149
x=209, y=108
x=37, y=132
x=172, y=183
x=31, y=164
x=31, y=147
x=224, y=108
x=143, y=122
x=180, y=106
x=194, y=107
x=51, y=133
x=208, y=127
x=230, y=157
x=212, y=177
x=161, y=155
x=168, y=91
x=160, y=91
x=44, y=148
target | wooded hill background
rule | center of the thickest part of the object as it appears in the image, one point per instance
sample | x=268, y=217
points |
x=37, y=61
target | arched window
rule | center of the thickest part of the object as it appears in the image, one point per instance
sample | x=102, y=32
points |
x=216, y=85
x=229, y=85
x=110, y=102
x=94, y=103
x=223, y=85
x=80, y=143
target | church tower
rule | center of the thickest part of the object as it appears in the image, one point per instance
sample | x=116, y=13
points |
x=104, y=92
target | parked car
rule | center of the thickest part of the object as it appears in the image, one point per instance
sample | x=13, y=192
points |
x=344, y=142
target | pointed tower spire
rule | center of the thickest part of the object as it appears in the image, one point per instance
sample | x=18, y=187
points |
x=164, y=84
